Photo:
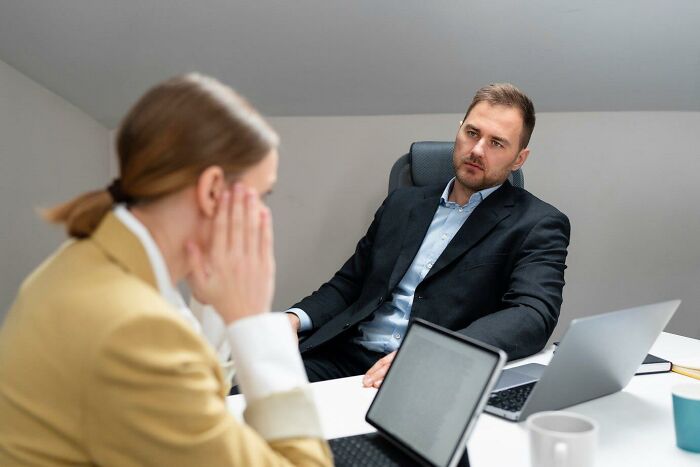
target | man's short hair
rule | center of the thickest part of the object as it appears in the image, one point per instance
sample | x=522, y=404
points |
x=508, y=95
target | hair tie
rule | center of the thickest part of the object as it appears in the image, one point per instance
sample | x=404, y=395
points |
x=117, y=192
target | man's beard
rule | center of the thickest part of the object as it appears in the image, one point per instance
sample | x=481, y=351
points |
x=470, y=185
x=484, y=182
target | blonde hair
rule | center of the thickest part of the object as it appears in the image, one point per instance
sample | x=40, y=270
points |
x=171, y=135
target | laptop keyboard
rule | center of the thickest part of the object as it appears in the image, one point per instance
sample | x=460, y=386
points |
x=512, y=399
x=367, y=450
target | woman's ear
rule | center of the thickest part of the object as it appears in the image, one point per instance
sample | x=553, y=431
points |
x=210, y=186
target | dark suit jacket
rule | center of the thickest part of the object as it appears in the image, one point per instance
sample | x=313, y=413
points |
x=499, y=280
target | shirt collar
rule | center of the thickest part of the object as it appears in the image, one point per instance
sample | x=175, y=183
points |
x=477, y=197
x=160, y=270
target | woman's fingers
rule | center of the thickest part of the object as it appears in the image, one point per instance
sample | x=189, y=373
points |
x=236, y=274
x=266, y=234
x=220, y=233
x=252, y=223
x=267, y=257
x=236, y=227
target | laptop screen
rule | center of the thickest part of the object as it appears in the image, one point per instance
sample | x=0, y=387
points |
x=432, y=391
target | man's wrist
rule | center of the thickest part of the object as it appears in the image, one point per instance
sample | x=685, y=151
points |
x=294, y=320
x=305, y=323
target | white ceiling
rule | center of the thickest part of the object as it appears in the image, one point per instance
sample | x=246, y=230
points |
x=362, y=57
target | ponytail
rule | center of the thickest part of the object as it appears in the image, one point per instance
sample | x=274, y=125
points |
x=81, y=215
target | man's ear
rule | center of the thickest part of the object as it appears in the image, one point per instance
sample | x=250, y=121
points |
x=520, y=159
x=210, y=186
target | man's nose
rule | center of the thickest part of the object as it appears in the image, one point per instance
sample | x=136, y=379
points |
x=479, y=147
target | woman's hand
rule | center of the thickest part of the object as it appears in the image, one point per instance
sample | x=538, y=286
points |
x=237, y=273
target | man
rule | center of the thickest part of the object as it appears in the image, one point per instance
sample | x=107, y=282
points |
x=478, y=256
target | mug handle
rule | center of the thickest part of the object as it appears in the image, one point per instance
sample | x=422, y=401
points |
x=560, y=454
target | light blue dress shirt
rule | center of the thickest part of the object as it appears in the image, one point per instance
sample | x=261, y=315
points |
x=384, y=332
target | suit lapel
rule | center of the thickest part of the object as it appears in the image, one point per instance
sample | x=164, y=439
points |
x=485, y=217
x=419, y=219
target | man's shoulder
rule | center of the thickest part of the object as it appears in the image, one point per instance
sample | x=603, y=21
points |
x=412, y=193
x=531, y=204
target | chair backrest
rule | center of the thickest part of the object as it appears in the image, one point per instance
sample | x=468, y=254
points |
x=430, y=163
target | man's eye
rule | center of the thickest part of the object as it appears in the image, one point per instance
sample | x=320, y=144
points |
x=497, y=144
x=471, y=133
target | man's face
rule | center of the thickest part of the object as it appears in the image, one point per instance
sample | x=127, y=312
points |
x=487, y=147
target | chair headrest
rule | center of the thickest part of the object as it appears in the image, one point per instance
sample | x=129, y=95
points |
x=431, y=162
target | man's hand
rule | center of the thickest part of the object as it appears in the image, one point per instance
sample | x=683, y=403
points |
x=295, y=322
x=375, y=375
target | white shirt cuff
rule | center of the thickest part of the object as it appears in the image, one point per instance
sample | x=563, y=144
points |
x=305, y=323
x=266, y=353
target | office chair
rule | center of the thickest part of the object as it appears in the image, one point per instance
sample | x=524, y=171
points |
x=430, y=163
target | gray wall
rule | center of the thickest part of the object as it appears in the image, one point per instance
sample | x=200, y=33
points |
x=626, y=180
x=49, y=151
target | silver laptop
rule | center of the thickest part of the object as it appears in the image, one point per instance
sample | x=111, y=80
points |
x=597, y=356
x=430, y=399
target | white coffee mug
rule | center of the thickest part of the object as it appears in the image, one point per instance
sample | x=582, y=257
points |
x=562, y=439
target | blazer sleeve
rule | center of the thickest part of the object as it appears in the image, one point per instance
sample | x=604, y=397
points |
x=531, y=304
x=345, y=287
x=156, y=397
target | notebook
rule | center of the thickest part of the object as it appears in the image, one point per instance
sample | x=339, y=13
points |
x=428, y=403
x=597, y=356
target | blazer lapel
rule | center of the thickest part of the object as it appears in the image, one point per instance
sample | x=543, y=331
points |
x=419, y=219
x=485, y=217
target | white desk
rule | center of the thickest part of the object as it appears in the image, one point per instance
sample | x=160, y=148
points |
x=636, y=424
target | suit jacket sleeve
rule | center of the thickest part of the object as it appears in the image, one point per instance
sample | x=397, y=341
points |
x=532, y=301
x=344, y=288
x=157, y=397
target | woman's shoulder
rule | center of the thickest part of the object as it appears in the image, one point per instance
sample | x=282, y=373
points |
x=83, y=291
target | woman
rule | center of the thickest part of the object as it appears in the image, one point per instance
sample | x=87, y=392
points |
x=101, y=362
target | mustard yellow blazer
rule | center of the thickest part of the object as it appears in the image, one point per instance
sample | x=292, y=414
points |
x=96, y=369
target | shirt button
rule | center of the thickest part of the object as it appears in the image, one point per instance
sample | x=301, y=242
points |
x=429, y=265
x=444, y=236
x=461, y=209
x=397, y=336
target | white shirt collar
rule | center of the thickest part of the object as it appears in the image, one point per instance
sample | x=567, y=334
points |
x=165, y=285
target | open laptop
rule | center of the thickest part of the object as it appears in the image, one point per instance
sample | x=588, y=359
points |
x=428, y=403
x=597, y=356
